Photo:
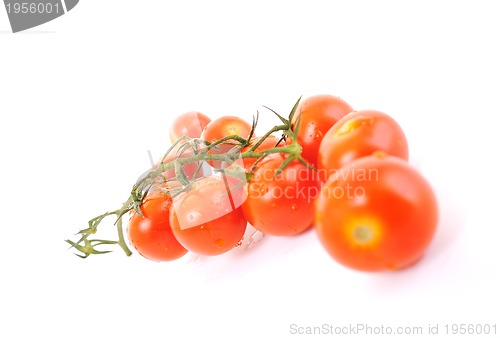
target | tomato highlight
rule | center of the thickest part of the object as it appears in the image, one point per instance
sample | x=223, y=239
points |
x=207, y=218
x=317, y=114
x=360, y=134
x=150, y=233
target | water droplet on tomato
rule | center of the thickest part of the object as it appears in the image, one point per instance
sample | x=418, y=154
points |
x=294, y=207
x=219, y=243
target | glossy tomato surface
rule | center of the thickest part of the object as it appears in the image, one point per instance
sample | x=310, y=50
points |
x=223, y=127
x=281, y=204
x=226, y=126
x=378, y=213
x=317, y=115
x=188, y=124
x=207, y=218
x=151, y=235
x=360, y=134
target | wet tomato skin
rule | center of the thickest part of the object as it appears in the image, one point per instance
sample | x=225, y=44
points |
x=282, y=204
x=317, y=115
x=207, y=219
x=151, y=235
x=223, y=127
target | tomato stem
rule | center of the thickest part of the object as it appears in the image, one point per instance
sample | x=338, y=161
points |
x=266, y=135
x=201, y=152
x=121, y=238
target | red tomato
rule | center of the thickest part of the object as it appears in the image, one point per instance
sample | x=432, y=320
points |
x=191, y=170
x=378, y=213
x=189, y=124
x=223, y=127
x=360, y=134
x=317, y=114
x=151, y=235
x=281, y=205
x=269, y=143
x=207, y=219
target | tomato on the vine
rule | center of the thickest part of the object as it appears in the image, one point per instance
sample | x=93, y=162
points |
x=343, y=172
x=317, y=114
x=377, y=213
x=281, y=204
x=268, y=143
x=207, y=218
x=359, y=134
x=189, y=124
x=225, y=126
x=191, y=170
x=151, y=235
x=222, y=127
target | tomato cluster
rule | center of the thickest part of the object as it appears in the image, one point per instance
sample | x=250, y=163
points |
x=343, y=172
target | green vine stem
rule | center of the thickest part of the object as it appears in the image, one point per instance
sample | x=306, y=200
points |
x=201, y=152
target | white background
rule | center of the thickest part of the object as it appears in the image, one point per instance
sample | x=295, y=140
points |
x=83, y=98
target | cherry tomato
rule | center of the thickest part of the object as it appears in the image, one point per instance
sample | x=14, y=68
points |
x=151, y=235
x=189, y=124
x=207, y=219
x=191, y=170
x=223, y=127
x=360, y=134
x=317, y=114
x=281, y=205
x=378, y=213
x=269, y=143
